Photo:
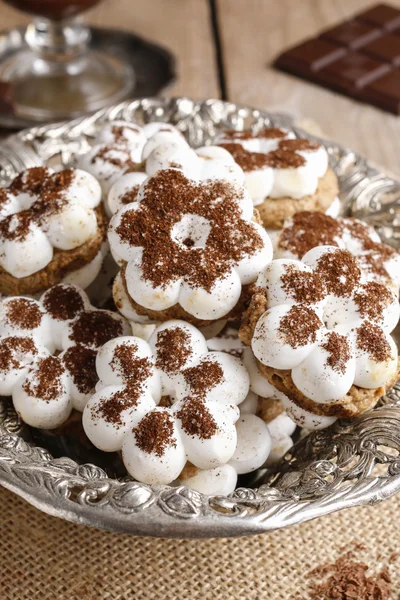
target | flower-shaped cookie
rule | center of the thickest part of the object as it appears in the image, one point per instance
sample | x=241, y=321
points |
x=200, y=391
x=188, y=243
x=46, y=216
x=120, y=147
x=46, y=385
x=276, y=164
x=307, y=230
x=325, y=330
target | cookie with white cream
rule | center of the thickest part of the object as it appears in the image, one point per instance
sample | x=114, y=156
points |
x=188, y=249
x=283, y=174
x=307, y=230
x=47, y=352
x=200, y=392
x=321, y=332
x=51, y=225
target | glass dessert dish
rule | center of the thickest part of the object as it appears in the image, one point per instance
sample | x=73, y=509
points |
x=57, y=75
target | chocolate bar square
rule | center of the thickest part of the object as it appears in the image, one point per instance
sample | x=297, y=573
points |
x=359, y=58
x=352, y=34
x=385, y=92
x=381, y=16
x=385, y=48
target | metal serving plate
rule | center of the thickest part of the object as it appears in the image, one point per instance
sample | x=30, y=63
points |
x=351, y=463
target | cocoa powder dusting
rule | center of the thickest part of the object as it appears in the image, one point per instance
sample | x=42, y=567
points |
x=81, y=363
x=340, y=271
x=299, y=326
x=196, y=419
x=271, y=133
x=168, y=197
x=46, y=384
x=10, y=347
x=130, y=195
x=63, y=302
x=129, y=365
x=154, y=433
x=308, y=230
x=203, y=377
x=372, y=299
x=339, y=351
x=349, y=579
x=135, y=371
x=29, y=181
x=23, y=313
x=49, y=190
x=372, y=340
x=173, y=349
x=298, y=144
x=302, y=286
x=285, y=159
x=93, y=328
x=110, y=408
x=247, y=160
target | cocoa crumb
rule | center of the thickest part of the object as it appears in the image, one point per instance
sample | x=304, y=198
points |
x=154, y=433
x=340, y=271
x=285, y=159
x=308, y=230
x=63, y=302
x=298, y=144
x=110, y=408
x=132, y=368
x=13, y=347
x=23, y=313
x=348, y=579
x=339, y=351
x=299, y=326
x=303, y=286
x=46, y=384
x=372, y=340
x=203, y=377
x=130, y=195
x=372, y=298
x=247, y=160
x=173, y=349
x=93, y=328
x=81, y=363
x=196, y=419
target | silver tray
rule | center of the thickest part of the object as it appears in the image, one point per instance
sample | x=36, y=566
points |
x=351, y=463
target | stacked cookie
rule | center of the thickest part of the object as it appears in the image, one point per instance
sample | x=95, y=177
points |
x=221, y=341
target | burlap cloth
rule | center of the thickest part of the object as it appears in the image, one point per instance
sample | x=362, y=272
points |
x=45, y=558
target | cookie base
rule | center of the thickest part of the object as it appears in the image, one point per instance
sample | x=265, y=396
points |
x=357, y=400
x=63, y=263
x=274, y=211
x=178, y=312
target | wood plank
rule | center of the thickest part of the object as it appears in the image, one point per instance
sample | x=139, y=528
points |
x=254, y=32
x=183, y=26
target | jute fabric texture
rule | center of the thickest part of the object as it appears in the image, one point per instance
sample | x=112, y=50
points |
x=45, y=558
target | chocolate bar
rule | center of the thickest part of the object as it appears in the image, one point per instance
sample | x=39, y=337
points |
x=359, y=58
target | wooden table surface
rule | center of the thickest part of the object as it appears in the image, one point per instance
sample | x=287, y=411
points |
x=251, y=33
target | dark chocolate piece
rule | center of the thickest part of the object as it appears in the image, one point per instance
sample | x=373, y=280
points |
x=386, y=48
x=352, y=34
x=358, y=58
x=381, y=16
x=385, y=92
x=313, y=55
x=353, y=72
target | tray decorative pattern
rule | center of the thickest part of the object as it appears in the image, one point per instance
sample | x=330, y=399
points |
x=351, y=463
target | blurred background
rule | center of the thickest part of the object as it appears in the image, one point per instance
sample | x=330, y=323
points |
x=225, y=49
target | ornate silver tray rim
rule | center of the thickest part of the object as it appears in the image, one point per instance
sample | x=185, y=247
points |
x=351, y=463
